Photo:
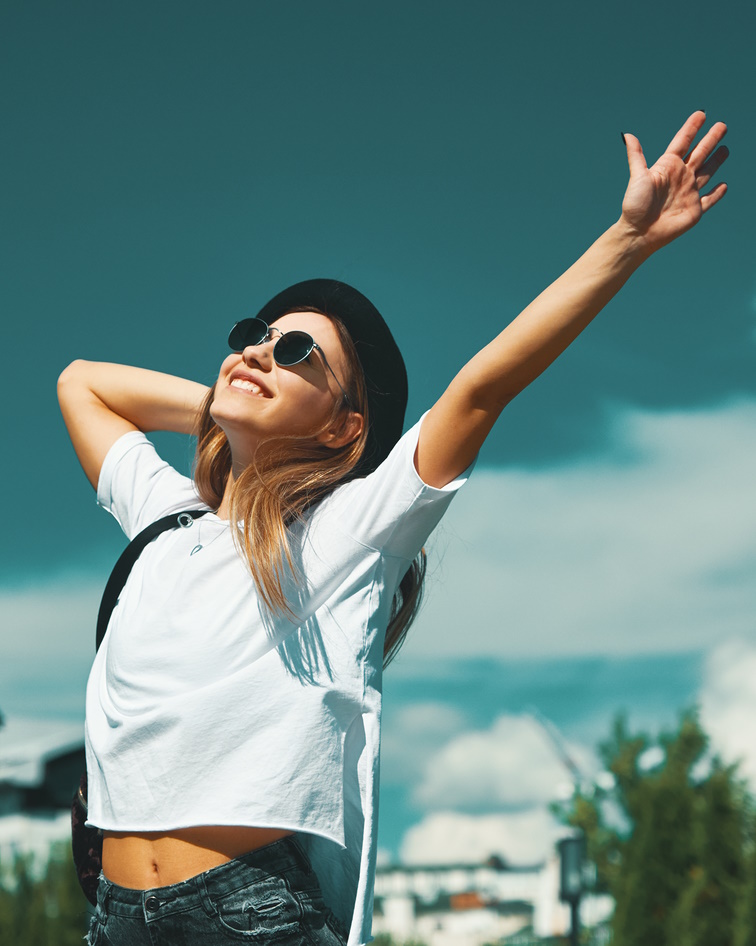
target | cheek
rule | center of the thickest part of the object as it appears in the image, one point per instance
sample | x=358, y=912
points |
x=305, y=407
x=317, y=398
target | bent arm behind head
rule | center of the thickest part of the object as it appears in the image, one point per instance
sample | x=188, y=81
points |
x=100, y=402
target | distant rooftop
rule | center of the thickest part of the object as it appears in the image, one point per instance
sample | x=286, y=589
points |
x=494, y=862
x=27, y=745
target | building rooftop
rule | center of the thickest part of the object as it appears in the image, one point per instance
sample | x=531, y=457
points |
x=494, y=863
x=28, y=745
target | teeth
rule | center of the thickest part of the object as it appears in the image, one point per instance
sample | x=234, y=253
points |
x=246, y=386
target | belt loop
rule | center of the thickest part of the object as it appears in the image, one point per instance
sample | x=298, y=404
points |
x=105, y=883
x=304, y=859
x=207, y=904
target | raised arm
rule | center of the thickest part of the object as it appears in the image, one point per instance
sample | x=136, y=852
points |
x=660, y=204
x=100, y=402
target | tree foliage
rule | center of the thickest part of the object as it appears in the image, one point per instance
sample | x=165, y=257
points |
x=42, y=908
x=673, y=841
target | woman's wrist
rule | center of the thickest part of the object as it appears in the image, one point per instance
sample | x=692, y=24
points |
x=630, y=246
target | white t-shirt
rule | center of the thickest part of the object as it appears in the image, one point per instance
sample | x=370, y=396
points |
x=201, y=709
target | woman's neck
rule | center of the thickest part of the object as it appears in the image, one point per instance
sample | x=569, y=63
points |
x=239, y=464
x=224, y=510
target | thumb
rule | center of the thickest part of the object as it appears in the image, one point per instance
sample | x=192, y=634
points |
x=635, y=159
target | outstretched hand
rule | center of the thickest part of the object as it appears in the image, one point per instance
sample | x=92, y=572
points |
x=661, y=202
x=665, y=200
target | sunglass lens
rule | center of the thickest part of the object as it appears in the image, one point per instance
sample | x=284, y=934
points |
x=247, y=332
x=293, y=347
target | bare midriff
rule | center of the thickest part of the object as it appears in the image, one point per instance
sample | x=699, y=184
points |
x=141, y=861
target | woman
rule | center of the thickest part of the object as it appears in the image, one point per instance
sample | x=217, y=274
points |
x=233, y=710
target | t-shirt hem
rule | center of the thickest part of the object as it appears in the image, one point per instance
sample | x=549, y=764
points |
x=150, y=827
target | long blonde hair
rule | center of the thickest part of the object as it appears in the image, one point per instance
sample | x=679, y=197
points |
x=289, y=475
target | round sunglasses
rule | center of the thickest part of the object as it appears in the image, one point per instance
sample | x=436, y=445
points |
x=290, y=349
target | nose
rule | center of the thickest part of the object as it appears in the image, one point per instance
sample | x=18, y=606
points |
x=260, y=354
x=263, y=350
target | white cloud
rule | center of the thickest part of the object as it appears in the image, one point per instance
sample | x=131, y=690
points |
x=383, y=857
x=412, y=734
x=728, y=704
x=48, y=643
x=647, y=547
x=445, y=837
x=511, y=765
x=51, y=620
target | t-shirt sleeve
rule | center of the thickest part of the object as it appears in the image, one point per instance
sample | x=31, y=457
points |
x=137, y=487
x=393, y=510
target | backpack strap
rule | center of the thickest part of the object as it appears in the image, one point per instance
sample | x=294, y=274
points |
x=130, y=554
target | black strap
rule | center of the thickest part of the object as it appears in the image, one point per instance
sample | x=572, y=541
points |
x=130, y=554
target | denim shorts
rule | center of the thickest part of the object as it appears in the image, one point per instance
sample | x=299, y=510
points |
x=270, y=895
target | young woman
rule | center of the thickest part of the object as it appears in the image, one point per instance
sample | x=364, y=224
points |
x=233, y=710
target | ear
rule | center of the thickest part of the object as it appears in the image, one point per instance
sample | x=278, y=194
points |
x=347, y=429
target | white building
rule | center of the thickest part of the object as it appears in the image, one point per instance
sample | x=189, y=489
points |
x=471, y=904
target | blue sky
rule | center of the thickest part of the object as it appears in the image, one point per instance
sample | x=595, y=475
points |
x=169, y=166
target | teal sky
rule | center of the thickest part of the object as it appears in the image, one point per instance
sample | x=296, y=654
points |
x=168, y=166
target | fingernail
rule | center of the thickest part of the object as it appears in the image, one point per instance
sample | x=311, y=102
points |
x=623, y=138
x=702, y=110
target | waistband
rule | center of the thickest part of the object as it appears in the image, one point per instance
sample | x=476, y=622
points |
x=282, y=856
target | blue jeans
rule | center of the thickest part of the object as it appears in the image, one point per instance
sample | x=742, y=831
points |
x=270, y=895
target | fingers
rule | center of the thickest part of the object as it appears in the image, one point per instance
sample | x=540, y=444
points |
x=714, y=195
x=699, y=155
x=710, y=168
x=686, y=135
x=635, y=158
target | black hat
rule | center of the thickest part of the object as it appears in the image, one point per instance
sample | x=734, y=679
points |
x=379, y=355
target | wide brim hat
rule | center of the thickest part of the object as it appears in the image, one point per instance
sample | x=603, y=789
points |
x=379, y=355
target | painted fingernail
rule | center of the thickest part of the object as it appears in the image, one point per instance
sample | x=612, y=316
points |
x=702, y=110
x=623, y=138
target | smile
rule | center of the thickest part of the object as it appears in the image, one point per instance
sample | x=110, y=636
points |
x=250, y=386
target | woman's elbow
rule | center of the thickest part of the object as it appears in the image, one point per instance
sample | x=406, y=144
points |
x=481, y=392
x=72, y=378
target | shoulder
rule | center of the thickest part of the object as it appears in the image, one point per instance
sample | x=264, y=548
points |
x=390, y=509
x=137, y=486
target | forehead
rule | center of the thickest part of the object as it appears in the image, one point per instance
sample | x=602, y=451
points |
x=303, y=321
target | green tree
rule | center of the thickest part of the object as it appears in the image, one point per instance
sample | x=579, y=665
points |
x=670, y=840
x=46, y=909
x=745, y=921
x=707, y=910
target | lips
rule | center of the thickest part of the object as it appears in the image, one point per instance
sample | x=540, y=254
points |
x=245, y=382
